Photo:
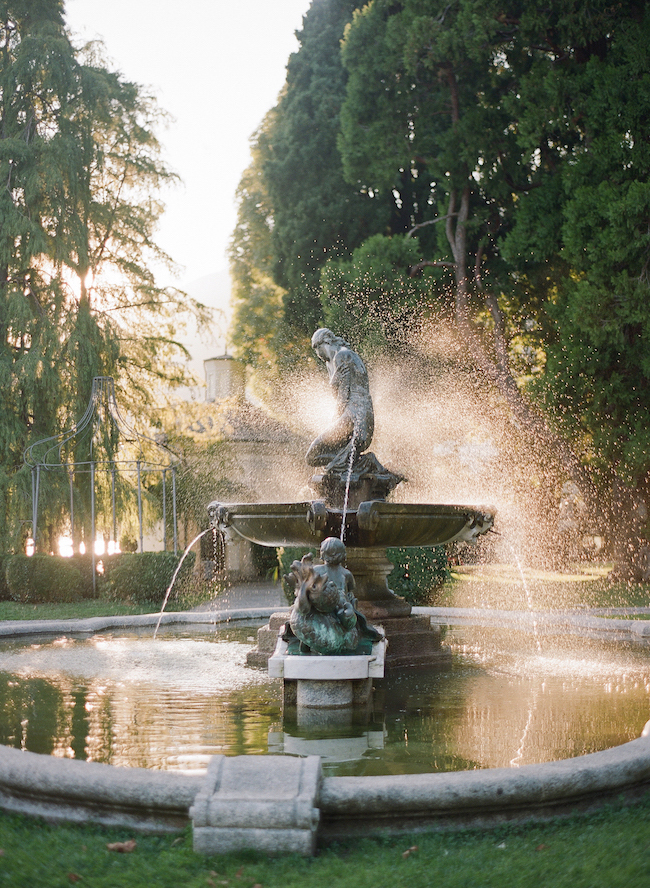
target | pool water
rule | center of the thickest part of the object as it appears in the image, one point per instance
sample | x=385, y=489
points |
x=172, y=703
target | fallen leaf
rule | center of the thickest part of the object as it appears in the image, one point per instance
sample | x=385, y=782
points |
x=210, y=882
x=2, y=852
x=239, y=872
x=501, y=846
x=177, y=841
x=74, y=877
x=122, y=847
x=541, y=847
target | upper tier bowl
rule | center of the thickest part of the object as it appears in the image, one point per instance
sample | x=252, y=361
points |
x=373, y=524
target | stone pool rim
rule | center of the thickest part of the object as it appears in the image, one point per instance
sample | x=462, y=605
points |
x=69, y=790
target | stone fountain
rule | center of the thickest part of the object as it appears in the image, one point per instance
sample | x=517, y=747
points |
x=284, y=803
x=351, y=504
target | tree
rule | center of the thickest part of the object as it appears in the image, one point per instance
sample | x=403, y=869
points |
x=592, y=159
x=258, y=329
x=82, y=172
x=296, y=210
x=529, y=125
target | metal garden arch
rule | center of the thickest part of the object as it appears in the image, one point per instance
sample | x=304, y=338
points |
x=131, y=454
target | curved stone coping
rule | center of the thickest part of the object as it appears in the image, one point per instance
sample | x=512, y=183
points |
x=70, y=790
x=92, y=625
x=356, y=806
x=543, y=622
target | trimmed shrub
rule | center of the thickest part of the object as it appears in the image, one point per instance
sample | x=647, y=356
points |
x=41, y=578
x=84, y=564
x=417, y=572
x=144, y=576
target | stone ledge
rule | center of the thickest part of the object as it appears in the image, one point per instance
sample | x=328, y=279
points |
x=68, y=790
x=319, y=667
x=358, y=806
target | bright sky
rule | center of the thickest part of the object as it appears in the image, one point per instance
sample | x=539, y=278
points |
x=217, y=67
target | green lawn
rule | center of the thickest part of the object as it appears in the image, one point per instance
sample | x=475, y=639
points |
x=505, y=586
x=104, y=607
x=607, y=850
x=14, y=610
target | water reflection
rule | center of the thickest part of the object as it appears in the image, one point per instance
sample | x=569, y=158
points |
x=173, y=703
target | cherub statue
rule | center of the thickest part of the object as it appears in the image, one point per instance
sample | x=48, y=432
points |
x=324, y=616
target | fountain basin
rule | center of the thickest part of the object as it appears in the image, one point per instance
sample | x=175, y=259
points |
x=71, y=790
x=373, y=524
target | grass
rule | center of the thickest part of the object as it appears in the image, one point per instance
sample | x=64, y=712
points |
x=501, y=586
x=14, y=610
x=607, y=850
x=98, y=607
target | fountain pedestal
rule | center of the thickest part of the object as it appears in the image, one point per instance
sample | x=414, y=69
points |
x=370, y=569
x=326, y=689
x=367, y=530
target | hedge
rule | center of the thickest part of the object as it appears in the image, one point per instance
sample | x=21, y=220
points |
x=42, y=578
x=418, y=572
x=5, y=594
x=144, y=576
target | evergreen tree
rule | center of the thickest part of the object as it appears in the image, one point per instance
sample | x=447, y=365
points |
x=307, y=212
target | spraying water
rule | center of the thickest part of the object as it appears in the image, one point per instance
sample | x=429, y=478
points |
x=529, y=598
x=171, y=585
x=347, y=483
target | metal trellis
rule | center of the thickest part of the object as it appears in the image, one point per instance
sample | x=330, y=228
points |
x=130, y=452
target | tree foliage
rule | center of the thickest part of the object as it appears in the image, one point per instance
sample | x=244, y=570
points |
x=295, y=208
x=501, y=152
x=81, y=172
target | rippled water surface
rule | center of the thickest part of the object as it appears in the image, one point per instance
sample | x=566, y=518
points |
x=174, y=702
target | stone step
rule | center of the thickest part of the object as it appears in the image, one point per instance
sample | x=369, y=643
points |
x=405, y=624
x=412, y=641
x=267, y=639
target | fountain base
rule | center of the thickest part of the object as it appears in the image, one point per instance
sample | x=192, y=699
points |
x=324, y=688
x=412, y=641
